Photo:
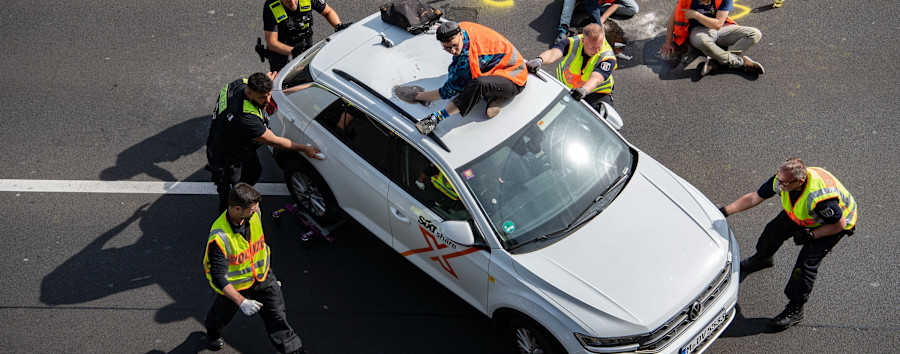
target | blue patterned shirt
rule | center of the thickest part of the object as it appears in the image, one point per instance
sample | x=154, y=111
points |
x=459, y=74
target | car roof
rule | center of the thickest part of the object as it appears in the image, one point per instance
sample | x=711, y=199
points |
x=420, y=60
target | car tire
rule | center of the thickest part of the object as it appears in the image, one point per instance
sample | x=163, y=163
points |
x=311, y=193
x=528, y=337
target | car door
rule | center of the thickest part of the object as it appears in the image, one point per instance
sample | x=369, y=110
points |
x=416, y=212
x=356, y=149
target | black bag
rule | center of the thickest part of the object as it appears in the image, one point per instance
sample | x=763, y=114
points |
x=412, y=15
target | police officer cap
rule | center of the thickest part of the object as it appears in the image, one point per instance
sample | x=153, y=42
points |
x=447, y=30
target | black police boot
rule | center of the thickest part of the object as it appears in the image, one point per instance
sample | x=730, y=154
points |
x=792, y=314
x=755, y=263
x=216, y=343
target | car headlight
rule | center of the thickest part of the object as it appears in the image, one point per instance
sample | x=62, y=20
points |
x=609, y=345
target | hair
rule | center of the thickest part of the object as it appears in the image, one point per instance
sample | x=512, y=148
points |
x=259, y=82
x=243, y=195
x=594, y=30
x=795, y=166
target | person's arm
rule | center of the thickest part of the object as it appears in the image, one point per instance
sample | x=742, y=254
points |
x=830, y=229
x=609, y=11
x=748, y=201
x=668, y=46
x=550, y=56
x=269, y=138
x=274, y=45
x=331, y=16
x=832, y=215
x=712, y=23
x=599, y=74
x=298, y=88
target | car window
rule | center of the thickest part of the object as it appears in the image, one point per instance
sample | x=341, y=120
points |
x=310, y=101
x=369, y=138
x=300, y=74
x=427, y=183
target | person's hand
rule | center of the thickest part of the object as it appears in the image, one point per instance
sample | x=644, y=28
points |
x=803, y=236
x=724, y=213
x=691, y=14
x=296, y=51
x=534, y=65
x=667, y=49
x=578, y=93
x=420, y=185
x=341, y=26
x=249, y=307
x=272, y=75
x=312, y=152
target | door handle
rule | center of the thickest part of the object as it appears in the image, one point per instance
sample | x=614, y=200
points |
x=399, y=215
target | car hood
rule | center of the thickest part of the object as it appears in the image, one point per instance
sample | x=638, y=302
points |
x=655, y=248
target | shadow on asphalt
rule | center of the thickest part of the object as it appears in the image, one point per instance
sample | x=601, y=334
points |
x=169, y=145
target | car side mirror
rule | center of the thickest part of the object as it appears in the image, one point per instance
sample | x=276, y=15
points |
x=609, y=113
x=458, y=231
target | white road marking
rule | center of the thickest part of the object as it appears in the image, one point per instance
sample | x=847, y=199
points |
x=125, y=187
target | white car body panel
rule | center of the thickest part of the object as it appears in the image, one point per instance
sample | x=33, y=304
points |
x=628, y=271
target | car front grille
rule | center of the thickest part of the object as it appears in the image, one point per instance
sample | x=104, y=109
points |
x=654, y=341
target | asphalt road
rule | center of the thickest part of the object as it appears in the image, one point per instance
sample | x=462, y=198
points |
x=121, y=91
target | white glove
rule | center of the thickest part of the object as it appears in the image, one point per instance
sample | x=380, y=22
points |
x=420, y=185
x=249, y=307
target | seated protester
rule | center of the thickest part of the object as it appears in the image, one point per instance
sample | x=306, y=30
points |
x=485, y=65
x=602, y=9
x=711, y=31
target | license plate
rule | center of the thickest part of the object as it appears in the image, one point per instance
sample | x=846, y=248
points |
x=705, y=333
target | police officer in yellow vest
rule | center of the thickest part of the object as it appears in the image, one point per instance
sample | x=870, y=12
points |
x=287, y=27
x=440, y=190
x=240, y=126
x=586, y=67
x=818, y=212
x=237, y=264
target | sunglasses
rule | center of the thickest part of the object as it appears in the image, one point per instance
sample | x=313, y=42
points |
x=783, y=183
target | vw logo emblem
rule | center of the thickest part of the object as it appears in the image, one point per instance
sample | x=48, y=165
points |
x=695, y=310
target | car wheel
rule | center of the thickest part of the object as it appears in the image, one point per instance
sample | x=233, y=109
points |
x=530, y=338
x=310, y=192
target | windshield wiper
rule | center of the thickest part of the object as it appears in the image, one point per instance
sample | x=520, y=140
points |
x=585, y=215
x=590, y=212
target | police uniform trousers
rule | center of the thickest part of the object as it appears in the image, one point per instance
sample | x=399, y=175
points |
x=268, y=292
x=484, y=87
x=248, y=171
x=803, y=275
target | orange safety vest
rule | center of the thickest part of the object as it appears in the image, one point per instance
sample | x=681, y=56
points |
x=681, y=23
x=485, y=41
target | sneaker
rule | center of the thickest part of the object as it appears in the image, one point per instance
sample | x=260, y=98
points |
x=427, y=124
x=755, y=263
x=709, y=66
x=563, y=30
x=216, y=344
x=792, y=314
x=753, y=66
x=493, y=106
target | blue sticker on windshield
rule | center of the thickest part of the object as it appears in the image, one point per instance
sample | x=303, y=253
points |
x=509, y=227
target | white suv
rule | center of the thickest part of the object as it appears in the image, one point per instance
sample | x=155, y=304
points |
x=567, y=236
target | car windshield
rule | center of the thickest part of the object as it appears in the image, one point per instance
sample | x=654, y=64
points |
x=548, y=177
